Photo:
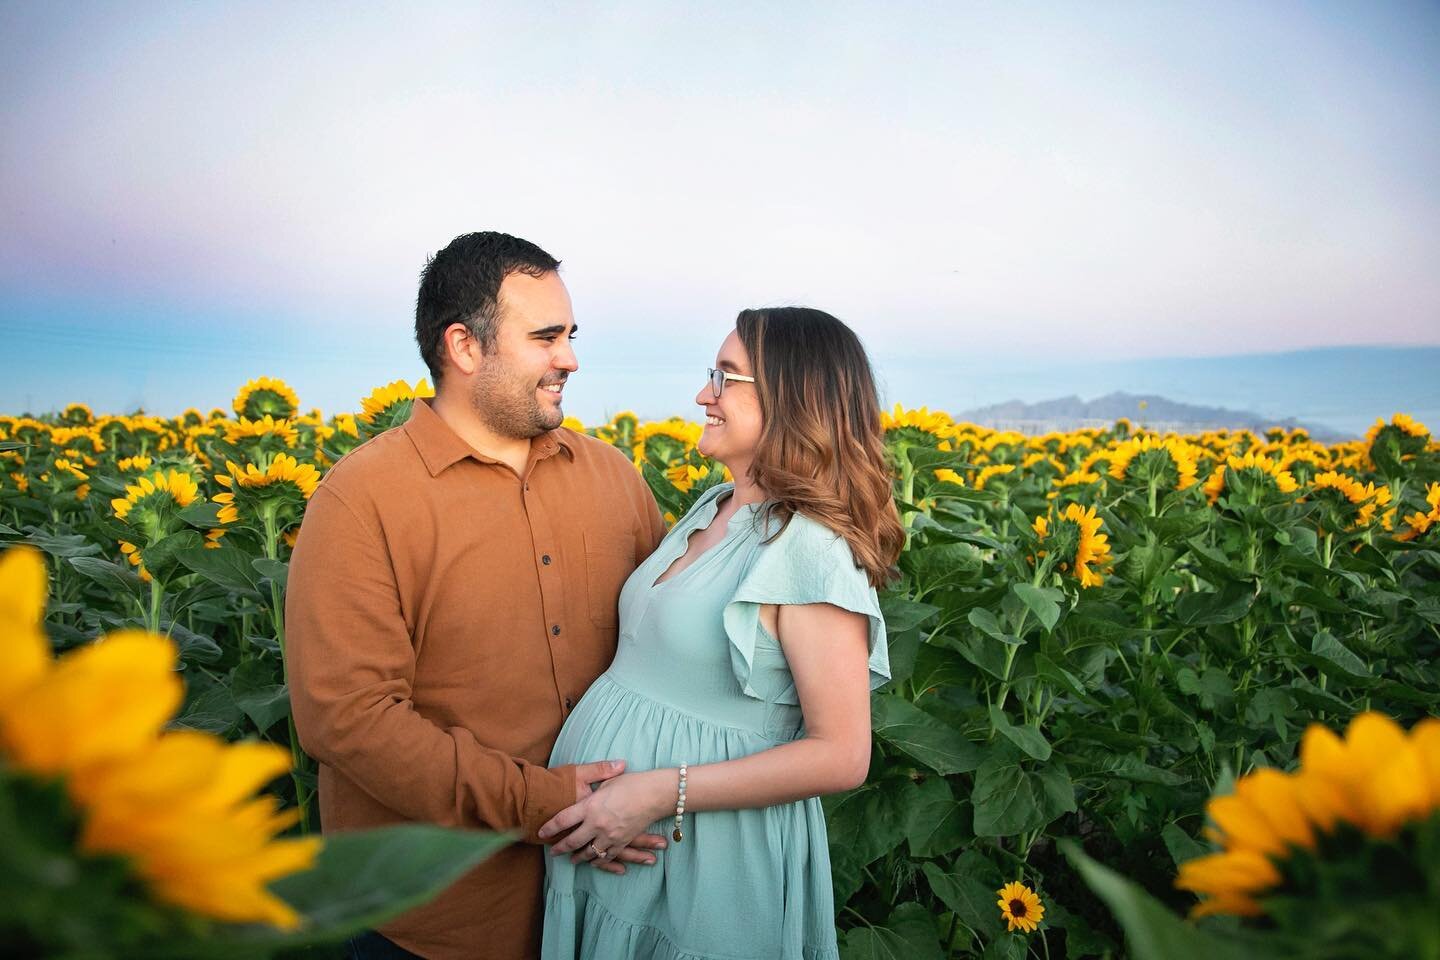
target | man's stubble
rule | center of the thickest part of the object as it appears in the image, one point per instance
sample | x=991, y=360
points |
x=508, y=405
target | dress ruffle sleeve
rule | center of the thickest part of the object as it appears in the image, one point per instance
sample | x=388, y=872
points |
x=806, y=563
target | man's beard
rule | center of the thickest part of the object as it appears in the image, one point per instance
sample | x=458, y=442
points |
x=508, y=405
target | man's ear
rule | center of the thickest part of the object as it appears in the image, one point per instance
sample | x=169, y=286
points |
x=461, y=348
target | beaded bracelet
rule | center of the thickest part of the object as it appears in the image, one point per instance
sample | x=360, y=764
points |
x=680, y=806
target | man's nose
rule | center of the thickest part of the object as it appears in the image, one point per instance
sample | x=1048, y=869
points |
x=565, y=358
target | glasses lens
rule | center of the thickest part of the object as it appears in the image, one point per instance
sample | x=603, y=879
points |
x=717, y=382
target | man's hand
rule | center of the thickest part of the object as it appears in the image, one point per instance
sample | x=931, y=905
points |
x=597, y=772
x=638, y=850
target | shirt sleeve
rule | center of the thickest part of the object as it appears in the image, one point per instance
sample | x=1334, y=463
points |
x=351, y=664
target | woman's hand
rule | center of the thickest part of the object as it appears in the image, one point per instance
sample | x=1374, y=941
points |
x=612, y=819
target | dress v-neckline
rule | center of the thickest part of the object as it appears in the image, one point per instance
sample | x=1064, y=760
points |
x=667, y=577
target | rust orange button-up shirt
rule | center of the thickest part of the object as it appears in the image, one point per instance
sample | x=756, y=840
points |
x=444, y=616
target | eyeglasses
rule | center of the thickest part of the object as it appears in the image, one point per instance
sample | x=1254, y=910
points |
x=718, y=378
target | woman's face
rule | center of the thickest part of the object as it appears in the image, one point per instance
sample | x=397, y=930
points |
x=732, y=422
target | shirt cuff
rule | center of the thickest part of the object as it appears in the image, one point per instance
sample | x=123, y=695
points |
x=547, y=792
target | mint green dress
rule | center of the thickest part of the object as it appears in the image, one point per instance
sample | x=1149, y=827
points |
x=697, y=678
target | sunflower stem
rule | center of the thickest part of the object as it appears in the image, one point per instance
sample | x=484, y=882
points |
x=152, y=620
x=277, y=620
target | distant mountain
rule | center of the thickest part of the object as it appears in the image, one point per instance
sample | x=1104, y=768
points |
x=1156, y=412
x=1343, y=388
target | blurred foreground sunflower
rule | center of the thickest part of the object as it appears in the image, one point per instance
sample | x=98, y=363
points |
x=179, y=808
x=1353, y=804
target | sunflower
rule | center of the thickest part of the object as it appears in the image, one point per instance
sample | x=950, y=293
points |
x=151, y=505
x=1419, y=522
x=1019, y=907
x=151, y=433
x=917, y=426
x=1305, y=462
x=178, y=808
x=275, y=496
x=29, y=430
x=1389, y=446
x=684, y=476
x=1403, y=423
x=1251, y=466
x=1076, y=478
x=77, y=413
x=1168, y=459
x=85, y=439
x=676, y=438
x=1078, y=528
x=266, y=428
x=389, y=406
x=69, y=469
x=946, y=475
x=1097, y=460
x=175, y=489
x=266, y=395
x=136, y=464
x=1374, y=782
x=1047, y=463
x=66, y=477
x=620, y=431
x=988, y=473
x=1364, y=498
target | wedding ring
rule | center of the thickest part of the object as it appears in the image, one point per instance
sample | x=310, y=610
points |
x=599, y=854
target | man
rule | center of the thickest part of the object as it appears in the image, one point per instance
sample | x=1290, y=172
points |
x=454, y=591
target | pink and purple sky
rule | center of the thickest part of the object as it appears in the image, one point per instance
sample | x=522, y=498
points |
x=193, y=194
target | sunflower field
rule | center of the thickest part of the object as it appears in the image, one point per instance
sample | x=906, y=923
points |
x=1129, y=669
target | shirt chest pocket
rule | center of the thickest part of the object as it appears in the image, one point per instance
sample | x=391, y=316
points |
x=609, y=560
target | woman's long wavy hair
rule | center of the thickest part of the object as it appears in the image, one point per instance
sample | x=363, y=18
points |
x=821, y=449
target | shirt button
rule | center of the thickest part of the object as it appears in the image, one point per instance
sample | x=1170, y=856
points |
x=545, y=559
x=555, y=630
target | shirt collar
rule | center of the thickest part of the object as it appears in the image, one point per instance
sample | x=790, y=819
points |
x=440, y=447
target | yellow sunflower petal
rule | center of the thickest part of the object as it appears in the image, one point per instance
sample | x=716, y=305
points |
x=99, y=703
x=1397, y=792
x=1234, y=872
x=1272, y=794
x=24, y=652
x=1425, y=735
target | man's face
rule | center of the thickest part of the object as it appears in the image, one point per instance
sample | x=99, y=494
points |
x=518, y=386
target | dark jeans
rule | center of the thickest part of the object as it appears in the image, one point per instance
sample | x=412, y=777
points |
x=372, y=946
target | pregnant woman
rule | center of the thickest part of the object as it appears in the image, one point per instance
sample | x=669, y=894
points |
x=740, y=691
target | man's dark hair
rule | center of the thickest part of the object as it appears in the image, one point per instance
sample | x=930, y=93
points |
x=461, y=284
